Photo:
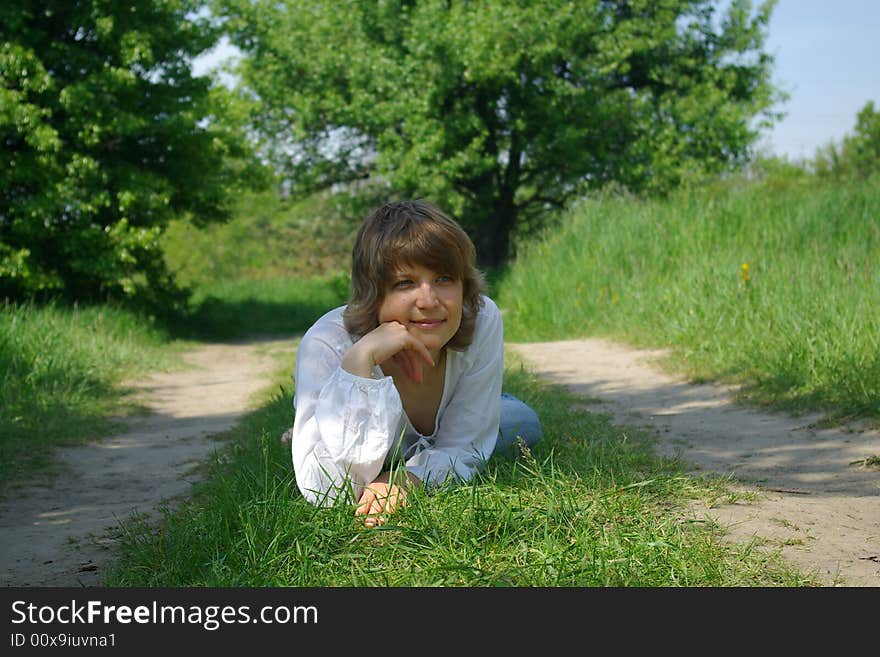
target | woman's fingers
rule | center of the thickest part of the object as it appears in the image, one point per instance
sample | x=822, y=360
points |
x=411, y=355
x=392, y=341
x=371, y=505
x=422, y=350
x=378, y=500
x=411, y=365
x=365, y=503
x=375, y=517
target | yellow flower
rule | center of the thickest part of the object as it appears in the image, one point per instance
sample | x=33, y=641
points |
x=744, y=272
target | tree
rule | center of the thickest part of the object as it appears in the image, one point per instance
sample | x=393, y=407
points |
x=106, y=136
x=859, y=153
x=501, y=110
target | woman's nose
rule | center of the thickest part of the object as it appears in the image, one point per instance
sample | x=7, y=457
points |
x=427, y=297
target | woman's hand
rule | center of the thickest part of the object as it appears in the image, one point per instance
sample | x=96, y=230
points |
x=388, y=341
x=382, y=497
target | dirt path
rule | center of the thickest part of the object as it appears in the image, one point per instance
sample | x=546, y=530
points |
x=815, y=503
x=60, y=535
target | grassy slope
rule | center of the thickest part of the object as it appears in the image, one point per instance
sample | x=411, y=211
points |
x=63, y=370
x=777, y=289
x=61, y=377
x=269, y=238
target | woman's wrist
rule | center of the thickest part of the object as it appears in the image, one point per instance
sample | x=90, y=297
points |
x=406, y=479
x=399, y=477
x=356, y=362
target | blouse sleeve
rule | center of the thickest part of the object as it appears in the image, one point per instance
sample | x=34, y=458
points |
x=343, y=427
x=468, y=429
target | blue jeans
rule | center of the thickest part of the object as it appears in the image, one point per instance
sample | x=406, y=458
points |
x=517, y=420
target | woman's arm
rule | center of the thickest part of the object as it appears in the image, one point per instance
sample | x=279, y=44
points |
x=344, y=424
x=468, y=429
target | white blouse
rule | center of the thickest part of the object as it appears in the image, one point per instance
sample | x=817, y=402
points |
x=347, y=429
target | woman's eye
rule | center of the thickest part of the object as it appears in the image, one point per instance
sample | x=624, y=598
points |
x=399, y=285
x=445, y=279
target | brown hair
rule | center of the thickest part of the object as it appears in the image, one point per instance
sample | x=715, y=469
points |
x=414, y=233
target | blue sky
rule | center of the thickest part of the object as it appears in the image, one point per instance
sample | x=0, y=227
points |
x=828, y=60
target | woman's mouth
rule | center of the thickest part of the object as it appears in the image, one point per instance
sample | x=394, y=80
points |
x=428, y=324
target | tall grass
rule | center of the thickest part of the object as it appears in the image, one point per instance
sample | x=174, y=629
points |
x=62, y=368
x=778, y=289
x=61, y=371
x=589, y=506
x=247, y=307
x=267, y=237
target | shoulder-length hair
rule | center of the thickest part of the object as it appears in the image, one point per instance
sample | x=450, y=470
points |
x=411, y=233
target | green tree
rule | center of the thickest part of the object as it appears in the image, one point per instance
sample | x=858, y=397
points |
x=858, y=154
x=106, y=136
x=503, y=110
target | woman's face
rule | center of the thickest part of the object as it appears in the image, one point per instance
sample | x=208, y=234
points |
x=426, y=302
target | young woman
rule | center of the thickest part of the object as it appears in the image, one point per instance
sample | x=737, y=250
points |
x=402, y=386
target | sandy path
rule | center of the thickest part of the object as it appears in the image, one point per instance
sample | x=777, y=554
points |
x=821, y=511
x=814, y=504
x=61, y=534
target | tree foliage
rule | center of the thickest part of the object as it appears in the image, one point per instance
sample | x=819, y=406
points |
x=858, y=155
x=498, y=109
x=106, y=135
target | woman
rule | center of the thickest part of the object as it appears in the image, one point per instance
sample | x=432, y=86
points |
x=402, y=386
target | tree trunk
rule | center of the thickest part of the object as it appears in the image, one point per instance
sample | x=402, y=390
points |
x=492, y=238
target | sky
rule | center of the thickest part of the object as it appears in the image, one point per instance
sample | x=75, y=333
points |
x=827, y=59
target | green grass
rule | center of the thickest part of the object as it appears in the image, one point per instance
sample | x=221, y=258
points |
x=590, y=506
x=267, y=237
x=61, y=376
x=272, y=269
x=63, y=369
x=800, y=327
x=244, y=307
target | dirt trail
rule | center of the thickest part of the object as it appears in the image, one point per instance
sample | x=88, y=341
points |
x=816, y=504
x=61, y=534
x=819, y=509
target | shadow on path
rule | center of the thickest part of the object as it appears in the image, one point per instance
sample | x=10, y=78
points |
x=62, y=534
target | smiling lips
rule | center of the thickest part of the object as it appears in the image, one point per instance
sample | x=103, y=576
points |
x=428, y=323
